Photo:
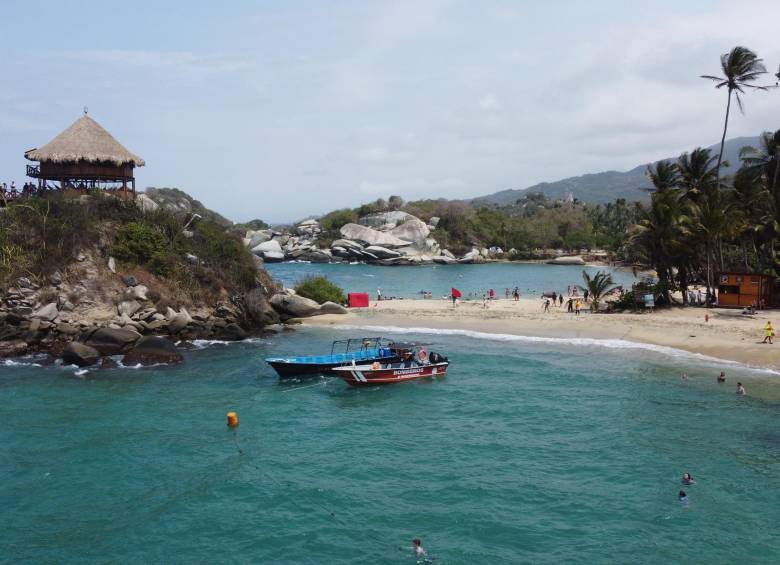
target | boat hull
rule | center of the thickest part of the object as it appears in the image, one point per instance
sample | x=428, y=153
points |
x=364, y=375
x=287, y=369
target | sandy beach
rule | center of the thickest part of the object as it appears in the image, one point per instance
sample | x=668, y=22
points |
x=727, y=335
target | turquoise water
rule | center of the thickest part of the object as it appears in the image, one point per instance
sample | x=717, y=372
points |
x=522, y=454
x=407, y=282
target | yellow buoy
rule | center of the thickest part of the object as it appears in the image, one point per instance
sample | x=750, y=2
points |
x=232, y=419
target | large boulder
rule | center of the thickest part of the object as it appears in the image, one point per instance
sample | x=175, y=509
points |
x=294, y=306
x=145, y=203
x=347, y=244
x=80, y=354
x=370, y=236
x=382, y=219
x=151, y=351
x=273, y=256
x=128, y=307
x=48, y=312
x=414, y=231
x=332, y=308
x=382, y=252
x=444, y=260
x=13, y=348
x=255, y=238
x=111, y=341
x=178, y=321
x=271, y=245
x=572, y=260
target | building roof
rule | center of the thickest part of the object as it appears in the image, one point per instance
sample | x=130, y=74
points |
x=85, y=140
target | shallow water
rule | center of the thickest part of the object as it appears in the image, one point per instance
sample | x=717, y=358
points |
x=407, y=282
x=523, y=453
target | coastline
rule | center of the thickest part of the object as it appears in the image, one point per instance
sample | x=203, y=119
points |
x=728, y=335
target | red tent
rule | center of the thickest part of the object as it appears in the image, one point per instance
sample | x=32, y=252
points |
x=455, y=292
x=358, y=299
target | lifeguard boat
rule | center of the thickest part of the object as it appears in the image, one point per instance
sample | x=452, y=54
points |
x=416, y=363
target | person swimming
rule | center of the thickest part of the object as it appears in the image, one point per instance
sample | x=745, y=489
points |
x=682, y=497
x=418, y=548
x=740, y=389
x=687, y=479
x=722, y=377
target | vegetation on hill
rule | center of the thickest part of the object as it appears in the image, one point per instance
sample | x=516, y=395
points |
x=178, y=201
x=41, y=235
x=320, y=289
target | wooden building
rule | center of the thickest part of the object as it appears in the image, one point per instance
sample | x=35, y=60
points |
x=739, y=290
x=84, y=156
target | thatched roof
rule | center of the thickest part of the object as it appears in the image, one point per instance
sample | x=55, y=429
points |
x=84, y=140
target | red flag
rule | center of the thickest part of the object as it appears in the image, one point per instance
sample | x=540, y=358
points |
x=455, y=292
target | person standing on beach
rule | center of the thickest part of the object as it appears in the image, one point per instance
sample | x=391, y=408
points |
x=769, y=333
x=560, y=300
x=547, y=305
x=484, y=301
x=378, y=294
x=577, y=307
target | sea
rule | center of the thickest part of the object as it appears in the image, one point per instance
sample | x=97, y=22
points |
x=526, y=452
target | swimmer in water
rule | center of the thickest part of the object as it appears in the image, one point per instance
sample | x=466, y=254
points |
x=682, y=496
x=684, y=376
x=722, y=377
x=418, y=548
x=687, y=479
x=740, y=389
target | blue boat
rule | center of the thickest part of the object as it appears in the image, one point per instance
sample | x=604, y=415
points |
x=342, y=352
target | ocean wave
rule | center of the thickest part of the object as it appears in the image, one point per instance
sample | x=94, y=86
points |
x=615, y=344
x=19, y=363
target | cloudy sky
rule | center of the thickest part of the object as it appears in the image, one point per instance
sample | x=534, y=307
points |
x=282, y=109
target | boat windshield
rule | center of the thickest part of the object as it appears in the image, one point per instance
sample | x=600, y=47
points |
x=358, y=344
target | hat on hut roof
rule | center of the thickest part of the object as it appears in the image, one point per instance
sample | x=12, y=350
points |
x=85, y=140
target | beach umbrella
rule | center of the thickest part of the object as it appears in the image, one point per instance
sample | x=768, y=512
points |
x=455, y=292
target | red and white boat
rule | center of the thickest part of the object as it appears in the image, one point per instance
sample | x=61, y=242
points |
x=415, y=365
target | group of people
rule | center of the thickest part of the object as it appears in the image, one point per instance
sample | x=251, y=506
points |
x=722, y=379
x=573, y=302
x=698, y=298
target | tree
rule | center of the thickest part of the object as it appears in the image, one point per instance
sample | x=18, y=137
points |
x=740, y=67
x=600, y=285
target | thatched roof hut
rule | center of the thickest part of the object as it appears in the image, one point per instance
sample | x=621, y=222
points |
x=84, y=155
x=85, y=140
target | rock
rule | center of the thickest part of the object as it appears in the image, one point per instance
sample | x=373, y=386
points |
x=81, y=257
x=79, y=354
x=178, y=322
x=370, y=236
x=273, y=256
x=48, y=312
x=35, y=325
x=145, y=203
x=347, y=244
x=131, y=281
x=414, y=231
x=571, y=260
x=192, y=258
x=257, y=237
x=444, y=260
x=112, y=264
x=382, y=252
x=316, y=256
x=270, y=245
x=448, y=253
x=108, y=363
x=67, y=306
x=56, y=278
x=138, y=292
x=294, y=306
x=111, y=341
x=12, y=348
x=128, y=307
x=332, y=308
x=152, y=350
x=67, y=329
x=389, y=219
x=24, y=282
x=232, y=332
x=434, y=221
x=156, y=325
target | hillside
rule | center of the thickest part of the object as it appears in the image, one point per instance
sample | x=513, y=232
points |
x=608, y=186
x=177, y=200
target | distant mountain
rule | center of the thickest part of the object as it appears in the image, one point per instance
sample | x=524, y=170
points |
x=610, y=185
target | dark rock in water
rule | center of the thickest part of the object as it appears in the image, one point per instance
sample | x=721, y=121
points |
x=13, y=348
x=108, y=363
x=76, y=353
x=152, y=350
x=231, y=332
x=111, y=341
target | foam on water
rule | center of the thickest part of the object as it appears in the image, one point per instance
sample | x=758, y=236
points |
x=574, y=341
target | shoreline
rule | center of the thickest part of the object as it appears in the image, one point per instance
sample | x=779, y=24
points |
x=728, y=335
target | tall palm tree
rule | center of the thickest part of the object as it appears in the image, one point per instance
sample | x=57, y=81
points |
x=740, y=67
x=598, y=286
x=698, y=173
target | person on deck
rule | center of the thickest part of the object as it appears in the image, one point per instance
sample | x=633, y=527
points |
x=407, y=359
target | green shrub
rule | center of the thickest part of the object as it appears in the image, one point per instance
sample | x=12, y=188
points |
x=138, y=243
x=337, y=219
x=320, y=289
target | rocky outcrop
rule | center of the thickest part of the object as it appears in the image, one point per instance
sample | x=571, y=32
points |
x=414, y=231
x=48, y=312
x=80, y=354
x=370, y=236
x=112, y=341
x=570, y=260
x=382, y=252
x=382, y=219
x=332, y=308
x=152, y=351
x=294, y=306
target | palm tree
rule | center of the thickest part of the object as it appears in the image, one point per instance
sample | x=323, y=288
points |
x=598, y=286
x=740, y=67
x=698, y=173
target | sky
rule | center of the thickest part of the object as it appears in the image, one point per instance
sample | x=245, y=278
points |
x=281, y=110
